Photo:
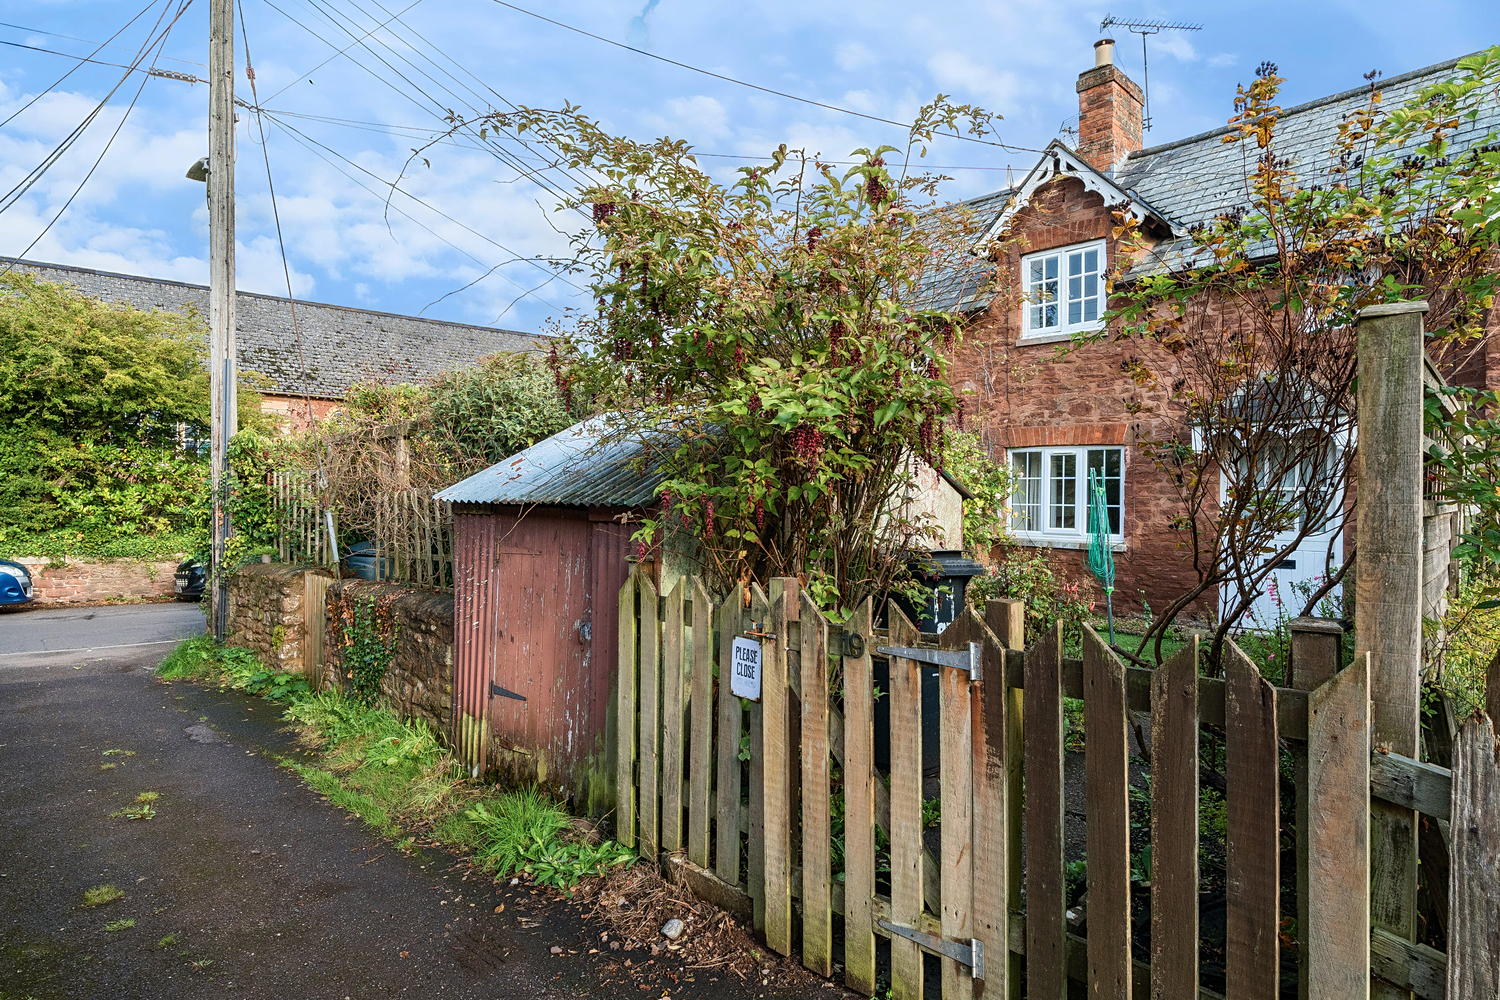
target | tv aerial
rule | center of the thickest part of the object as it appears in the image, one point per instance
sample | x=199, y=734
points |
x=1144, y=28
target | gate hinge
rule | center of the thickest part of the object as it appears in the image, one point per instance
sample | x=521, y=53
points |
x=971, y=954
x=963, y=659
x=497, y=689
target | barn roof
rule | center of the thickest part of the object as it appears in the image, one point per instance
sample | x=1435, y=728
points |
x=337, y=347
x=592, y=463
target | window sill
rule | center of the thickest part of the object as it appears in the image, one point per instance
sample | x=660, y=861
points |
x=1050, y=338
x=1035, y=541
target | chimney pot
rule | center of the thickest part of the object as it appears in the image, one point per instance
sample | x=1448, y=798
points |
x=1104, y=52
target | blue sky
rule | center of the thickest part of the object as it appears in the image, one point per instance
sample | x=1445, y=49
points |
x=138, y=214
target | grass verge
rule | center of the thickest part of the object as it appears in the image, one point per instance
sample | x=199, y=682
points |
x=399, y=779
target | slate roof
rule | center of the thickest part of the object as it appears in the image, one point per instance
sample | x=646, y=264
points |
x=960, y=284
x=1198, y=178
x=1192, y=180
x=589, y=464
x=339, y=345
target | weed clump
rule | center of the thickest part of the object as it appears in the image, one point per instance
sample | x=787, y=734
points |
x=526, y=833
x=120, y=925
x=140, y=809
x=101, y=894
x=230, y=667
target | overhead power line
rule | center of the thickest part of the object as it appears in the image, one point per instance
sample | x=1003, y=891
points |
x=756, y=86
x=142, y=13
x=25, y=185
x=101, y=45
x=165, y=74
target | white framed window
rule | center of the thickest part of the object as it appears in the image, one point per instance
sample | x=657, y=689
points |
x=1064, y=291
x=1051, y=502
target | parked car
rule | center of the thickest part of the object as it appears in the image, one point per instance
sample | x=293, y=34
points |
x=15, y=583
x=360, y=560
x=189, y=580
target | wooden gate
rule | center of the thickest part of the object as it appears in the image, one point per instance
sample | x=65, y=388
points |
x=775, y=809
x=315, y=621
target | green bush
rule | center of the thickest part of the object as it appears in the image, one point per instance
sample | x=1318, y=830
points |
x=93, y=400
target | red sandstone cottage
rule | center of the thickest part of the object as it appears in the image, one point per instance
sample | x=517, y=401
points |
x=1054, y=416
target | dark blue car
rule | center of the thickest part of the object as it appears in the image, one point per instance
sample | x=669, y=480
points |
x=15, y=583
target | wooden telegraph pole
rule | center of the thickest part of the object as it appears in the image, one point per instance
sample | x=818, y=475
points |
x=1388, y=590
x=221, y=286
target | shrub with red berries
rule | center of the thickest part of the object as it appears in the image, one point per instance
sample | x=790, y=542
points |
x=773, y=332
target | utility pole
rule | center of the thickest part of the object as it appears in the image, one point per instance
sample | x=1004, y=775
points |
x=221, y=369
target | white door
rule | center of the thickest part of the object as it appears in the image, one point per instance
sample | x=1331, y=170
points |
x=1300, y=572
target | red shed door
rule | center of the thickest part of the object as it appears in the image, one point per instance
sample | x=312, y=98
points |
x=540, y=673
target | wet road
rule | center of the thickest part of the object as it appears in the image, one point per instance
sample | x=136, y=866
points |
x=245, y=883
x=102, y=631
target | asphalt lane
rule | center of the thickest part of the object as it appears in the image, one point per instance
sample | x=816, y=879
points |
x=245, y=883
x=81, y=630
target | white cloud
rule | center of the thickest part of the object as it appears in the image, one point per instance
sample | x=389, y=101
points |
x=852, y=56
x=1176, y=46
x=694, y=118
x=1223, y=59
x=995, y=88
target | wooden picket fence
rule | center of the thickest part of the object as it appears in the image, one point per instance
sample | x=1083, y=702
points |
x=414, y=538
x=762, y=837
x=301, y=526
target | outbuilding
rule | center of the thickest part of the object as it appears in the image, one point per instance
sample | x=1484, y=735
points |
x=542, y=547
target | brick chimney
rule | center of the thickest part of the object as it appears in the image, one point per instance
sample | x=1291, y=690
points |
x=1109, y=111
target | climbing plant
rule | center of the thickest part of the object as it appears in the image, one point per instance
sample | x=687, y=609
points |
x=367, y=634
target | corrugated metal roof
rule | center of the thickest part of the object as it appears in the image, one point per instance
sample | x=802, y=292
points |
x=592, y=463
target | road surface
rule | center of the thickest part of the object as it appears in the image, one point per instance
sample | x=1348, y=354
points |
x=245, y=883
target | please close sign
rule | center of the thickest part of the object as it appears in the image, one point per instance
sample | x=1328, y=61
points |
x=744, y=681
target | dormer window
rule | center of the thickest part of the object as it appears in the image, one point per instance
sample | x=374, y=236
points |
x=1064, y=291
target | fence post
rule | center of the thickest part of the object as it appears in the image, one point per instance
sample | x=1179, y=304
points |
x=1388, y=587
x=1315, y=659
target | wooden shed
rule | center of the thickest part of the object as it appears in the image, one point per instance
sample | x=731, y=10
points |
x=541, y=549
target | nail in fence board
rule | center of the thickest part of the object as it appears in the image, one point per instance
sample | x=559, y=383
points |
x=859, y=811
x=1338, y=836
x=1251, y=969
x=1174, y=825
x=906, y=809
x=1046, y=968
x=701, y=738
x=1474, y=904
x=956, y=798
x=1107, y=808
x=776, y=809
x=650, y=669
x=672, y=720
x=817, y=870
x=731, y=721
x=625, y=722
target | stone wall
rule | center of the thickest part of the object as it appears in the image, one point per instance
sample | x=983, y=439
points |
x=419, y=682
x=76, y=581
x=266, y=614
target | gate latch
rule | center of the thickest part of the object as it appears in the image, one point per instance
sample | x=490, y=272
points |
x=971, y=954
x=968, y=659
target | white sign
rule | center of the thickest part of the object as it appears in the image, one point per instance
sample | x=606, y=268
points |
x=745, y=680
